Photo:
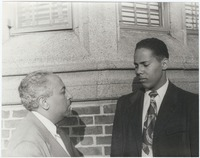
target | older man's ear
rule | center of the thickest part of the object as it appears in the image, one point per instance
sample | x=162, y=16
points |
x=43, y=103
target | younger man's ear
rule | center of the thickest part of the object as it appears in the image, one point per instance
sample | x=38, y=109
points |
x=43, y=103
x=165, y=62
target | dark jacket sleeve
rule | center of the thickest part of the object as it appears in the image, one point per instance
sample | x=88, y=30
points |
x=117, y=133
x=194, y=127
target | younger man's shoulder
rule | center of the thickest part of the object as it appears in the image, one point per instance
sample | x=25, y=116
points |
x=185, y=93
x=132, y=96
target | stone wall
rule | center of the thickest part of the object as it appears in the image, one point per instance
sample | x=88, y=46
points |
x=95, y=61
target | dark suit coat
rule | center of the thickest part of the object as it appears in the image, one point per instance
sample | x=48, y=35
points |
x=176, y=132
x=32, y=139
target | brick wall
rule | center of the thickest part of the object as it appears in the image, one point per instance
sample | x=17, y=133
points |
x=89, y=126
x=95, y=62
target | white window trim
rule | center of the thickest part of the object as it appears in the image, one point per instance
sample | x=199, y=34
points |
x=165, y=21
x=16, y=31
x=189, y=31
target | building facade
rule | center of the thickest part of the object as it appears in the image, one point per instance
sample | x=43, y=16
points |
x=90, y=45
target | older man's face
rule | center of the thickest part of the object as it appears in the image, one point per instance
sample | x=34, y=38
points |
x=60, y=100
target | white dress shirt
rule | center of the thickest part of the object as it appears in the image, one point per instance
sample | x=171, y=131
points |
x=51, y=128
x=159, y=98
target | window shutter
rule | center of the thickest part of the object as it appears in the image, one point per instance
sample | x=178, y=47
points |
x=141, y=14
x=192, y=15
x=40, y=16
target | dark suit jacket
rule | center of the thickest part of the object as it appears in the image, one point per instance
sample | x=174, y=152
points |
x=32, y=139
x=176, y=132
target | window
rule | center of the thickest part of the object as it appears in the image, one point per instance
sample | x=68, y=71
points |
x=192, y=15
x=41, y=16
x=143, y=15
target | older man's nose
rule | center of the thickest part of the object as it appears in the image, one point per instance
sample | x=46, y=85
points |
x=69, y=96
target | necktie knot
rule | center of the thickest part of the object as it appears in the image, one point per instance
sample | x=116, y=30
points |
x=153, y=94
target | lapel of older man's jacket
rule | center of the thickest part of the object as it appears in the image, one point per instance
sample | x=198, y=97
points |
x=67, y=142
x=55, y=149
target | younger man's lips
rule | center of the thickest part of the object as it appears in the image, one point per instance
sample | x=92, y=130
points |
x=142, y=79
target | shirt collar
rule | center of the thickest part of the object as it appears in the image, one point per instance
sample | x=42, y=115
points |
x=161, y=91
x=46, y=122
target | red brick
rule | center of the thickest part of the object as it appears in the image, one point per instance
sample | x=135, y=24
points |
x=92, y=130
x=12, y=131
x=11, y=123
x=68, y=121
x=5, y=114
x=87, y=141
x=5, y=133
x=75, y=140
x=108, y=129
x=2, y=123
x=109, y=108
x=66, y=130
x=104, y=119
x=78, y=131
x=20, y=113
x=86, y=120
x=88, y=151
x=104, y=140
x=87, y=110
x=107, y=150
x=3, y=153
x=4, y=143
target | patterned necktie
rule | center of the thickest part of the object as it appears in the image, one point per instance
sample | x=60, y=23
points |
x=149, y=124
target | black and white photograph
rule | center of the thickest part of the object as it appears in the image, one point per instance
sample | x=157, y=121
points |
x=100, y=78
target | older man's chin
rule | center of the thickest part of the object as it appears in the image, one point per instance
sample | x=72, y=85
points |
x=67, y=113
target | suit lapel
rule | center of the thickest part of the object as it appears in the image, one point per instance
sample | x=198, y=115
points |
x=55, y=149
x=136, y=117
x=167, y=108
x=66, y=141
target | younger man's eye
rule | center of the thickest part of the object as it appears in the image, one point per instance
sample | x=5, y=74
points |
x=136, y=66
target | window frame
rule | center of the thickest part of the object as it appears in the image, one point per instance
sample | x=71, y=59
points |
x=165, y=21
x=189, y=31
x=14, y=30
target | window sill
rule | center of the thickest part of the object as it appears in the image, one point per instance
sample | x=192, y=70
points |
x=192, y=32
x=145, y=28
x=15, y=31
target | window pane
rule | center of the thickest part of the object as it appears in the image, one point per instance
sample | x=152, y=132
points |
x=43, y=14
x=141, y=14
x=192, y=15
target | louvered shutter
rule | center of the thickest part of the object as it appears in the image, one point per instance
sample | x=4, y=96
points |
x=141, y=14
x=192, y=15
x=39, y=16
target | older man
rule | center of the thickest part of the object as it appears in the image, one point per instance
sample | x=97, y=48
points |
x=46, y=98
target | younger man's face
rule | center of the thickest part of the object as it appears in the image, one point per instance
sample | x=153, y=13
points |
x=149, y=69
